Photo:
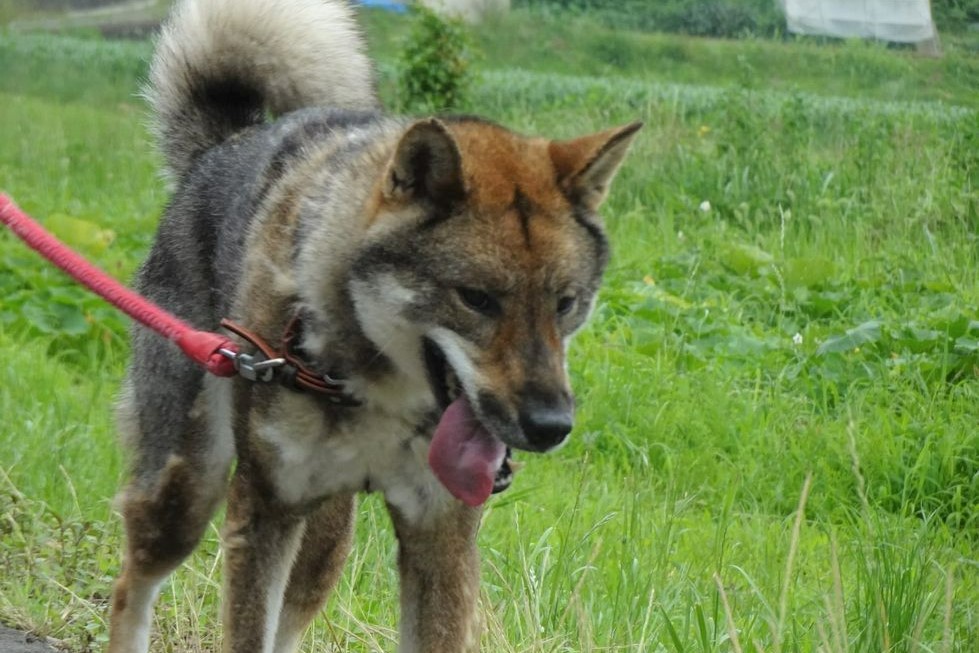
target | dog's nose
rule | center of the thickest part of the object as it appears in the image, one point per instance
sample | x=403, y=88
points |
x=546, y=424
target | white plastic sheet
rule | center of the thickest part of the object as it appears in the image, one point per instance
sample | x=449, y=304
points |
x=900, y=21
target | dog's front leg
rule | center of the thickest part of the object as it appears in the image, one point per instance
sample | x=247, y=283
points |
x=261, y=541
x=439, y=566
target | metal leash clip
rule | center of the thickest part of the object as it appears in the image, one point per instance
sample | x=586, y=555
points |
x=254, y=367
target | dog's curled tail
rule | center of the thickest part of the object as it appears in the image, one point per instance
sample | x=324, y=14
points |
x=222, y=65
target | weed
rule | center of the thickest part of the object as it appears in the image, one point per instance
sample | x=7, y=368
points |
x=435, y=64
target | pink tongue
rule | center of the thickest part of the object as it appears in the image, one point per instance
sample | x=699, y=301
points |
x=463, y=455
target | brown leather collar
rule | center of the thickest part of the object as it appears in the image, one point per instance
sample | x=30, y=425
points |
x=285, y=364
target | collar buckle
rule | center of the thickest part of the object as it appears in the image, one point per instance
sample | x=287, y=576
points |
x=267, y=365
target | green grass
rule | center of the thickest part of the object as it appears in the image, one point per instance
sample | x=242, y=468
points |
x=568, y=44
x=776, y=447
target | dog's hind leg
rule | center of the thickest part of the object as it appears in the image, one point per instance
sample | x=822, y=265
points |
x=163, y=526
x=325, y=546
x=439, y=566
x=180, y=472
x=261, y=540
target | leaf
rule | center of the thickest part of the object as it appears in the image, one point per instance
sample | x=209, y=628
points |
x=671, y=631
x=809, y=271
x=966, y=345
x=868, y=332
x=70, y=320
x=744, y=259
x=80, y=233
x=822, y=303
x=919, y=341
x=39, y=318
x=953, y=323
x=747, y=346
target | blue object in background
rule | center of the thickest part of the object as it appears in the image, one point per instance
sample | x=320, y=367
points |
x=389, y=5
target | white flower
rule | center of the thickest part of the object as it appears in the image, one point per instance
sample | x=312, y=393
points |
x=705, y=206
x=797, y=339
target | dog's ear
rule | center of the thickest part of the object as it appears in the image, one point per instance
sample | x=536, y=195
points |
x=586, y=166
x=426, y=166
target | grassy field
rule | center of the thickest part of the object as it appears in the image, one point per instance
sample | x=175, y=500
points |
x=777, y=445
x=575, y=45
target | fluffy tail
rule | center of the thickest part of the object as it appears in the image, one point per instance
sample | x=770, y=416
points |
x=221, y=65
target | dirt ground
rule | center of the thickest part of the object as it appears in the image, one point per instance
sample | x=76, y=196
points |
x=14, y=641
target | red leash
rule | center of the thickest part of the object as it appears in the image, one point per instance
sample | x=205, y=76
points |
x=202, y=347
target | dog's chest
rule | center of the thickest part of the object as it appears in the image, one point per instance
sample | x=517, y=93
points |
x=382, y=448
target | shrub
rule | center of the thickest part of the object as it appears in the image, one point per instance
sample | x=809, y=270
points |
x=711, y=19
x=434, y=67
x=955, y=15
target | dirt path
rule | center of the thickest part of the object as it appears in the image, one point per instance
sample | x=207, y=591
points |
x=14, y=641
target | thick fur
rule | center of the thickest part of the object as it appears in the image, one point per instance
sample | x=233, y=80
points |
x=393, y=239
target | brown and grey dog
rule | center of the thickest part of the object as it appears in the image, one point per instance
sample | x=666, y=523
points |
x=437, y=266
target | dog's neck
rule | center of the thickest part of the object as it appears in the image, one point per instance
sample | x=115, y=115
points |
x=336, y=345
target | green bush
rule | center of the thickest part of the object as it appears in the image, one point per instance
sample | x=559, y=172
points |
x=711, y=19
x=434, y=71
x=955, y=15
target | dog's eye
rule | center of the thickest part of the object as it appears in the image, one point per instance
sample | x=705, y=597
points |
x=479, y=301
x=566, y=304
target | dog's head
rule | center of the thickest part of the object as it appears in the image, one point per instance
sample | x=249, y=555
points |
x=483, y=257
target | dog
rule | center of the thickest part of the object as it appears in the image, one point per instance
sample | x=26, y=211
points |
x=418, y=280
